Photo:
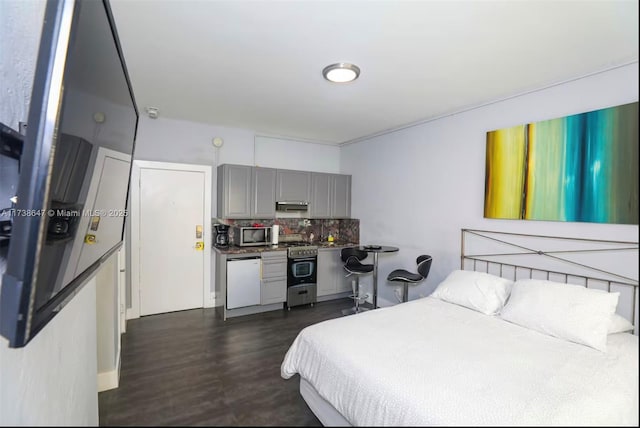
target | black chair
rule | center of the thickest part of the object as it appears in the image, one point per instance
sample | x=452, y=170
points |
x=406, y=277
x=351, y=258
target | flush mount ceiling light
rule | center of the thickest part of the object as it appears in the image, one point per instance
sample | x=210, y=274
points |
x=341, y=72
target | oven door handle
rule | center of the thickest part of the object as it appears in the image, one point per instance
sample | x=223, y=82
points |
x=306, y=259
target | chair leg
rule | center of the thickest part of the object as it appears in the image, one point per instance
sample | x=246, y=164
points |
x=356, y=295
x=405, y=292
x=355, y=286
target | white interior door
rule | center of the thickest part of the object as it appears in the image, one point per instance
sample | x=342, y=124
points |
x=171, y=223
x=105, y=224
x=107, y=189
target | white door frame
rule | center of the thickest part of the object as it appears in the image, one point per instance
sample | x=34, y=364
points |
x=122, y=288
x=138, y=165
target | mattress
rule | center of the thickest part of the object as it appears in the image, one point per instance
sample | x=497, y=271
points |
x=428, y=362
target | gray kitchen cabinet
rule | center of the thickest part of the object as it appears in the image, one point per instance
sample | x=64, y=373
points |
x=246, y=192
x=330, y=196
x=293, y=185
x=234, y=191
x=220, y=286
x=331, y=274
x=263, y=190
x=320, y=203
x=340, y=196
x=273, y=290
x=274, y=277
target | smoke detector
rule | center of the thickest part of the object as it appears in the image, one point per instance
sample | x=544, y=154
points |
x=152, y=112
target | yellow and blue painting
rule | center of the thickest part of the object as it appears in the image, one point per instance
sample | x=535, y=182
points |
x=579, y=168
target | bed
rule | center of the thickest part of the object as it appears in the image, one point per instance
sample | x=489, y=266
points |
x=433, y=362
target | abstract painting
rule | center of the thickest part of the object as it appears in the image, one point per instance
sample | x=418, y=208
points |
x=582, y=167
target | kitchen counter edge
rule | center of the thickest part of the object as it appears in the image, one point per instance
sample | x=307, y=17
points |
x=245, y=250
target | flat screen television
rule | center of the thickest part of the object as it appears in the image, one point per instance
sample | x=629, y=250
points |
x=67, y=213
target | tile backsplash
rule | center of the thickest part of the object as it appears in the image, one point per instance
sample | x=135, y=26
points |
x=342, y=230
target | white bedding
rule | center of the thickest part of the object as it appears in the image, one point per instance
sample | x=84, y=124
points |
x=428, y=362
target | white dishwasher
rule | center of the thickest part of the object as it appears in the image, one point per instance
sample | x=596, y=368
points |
x=243, y=282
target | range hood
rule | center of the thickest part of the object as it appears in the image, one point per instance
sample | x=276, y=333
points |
x=292, y=206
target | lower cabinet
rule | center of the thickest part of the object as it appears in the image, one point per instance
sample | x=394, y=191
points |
x=331, y=279
x=274, y=277
x=331, y=273
x=273, y=291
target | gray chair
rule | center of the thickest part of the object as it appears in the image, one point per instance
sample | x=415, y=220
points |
x=351, y=258
x=406, y=277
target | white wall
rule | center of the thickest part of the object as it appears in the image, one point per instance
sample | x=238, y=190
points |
x=416, y=188
x=108, y=324
x=51, y=381
x=20, y=26
x=170, y=140
x=291, y=154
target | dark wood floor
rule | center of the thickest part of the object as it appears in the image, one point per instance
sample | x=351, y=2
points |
x=192, y=368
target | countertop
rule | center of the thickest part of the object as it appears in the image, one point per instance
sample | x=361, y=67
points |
x=282, y=247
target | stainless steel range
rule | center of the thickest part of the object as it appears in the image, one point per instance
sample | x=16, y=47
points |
x=302, y=274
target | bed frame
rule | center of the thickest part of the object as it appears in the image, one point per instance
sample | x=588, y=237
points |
x=592, y=263
x=518, y=256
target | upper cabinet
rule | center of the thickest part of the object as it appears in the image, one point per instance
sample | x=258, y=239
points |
x=263, y=203
x=340, y=196
x=330, y=196
x=246, y=192
x=320, y=203
x=234, y=191
x=293, y=185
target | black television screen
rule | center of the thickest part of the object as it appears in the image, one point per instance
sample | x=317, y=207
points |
x=69, y=211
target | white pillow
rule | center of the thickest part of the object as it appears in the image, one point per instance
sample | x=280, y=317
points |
x=619, y=324
x=566, y=311
x=475, y=290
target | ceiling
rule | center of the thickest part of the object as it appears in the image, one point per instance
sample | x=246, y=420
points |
x=257, y=64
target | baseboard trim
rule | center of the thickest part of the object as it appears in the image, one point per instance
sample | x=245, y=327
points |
x=211, y=302
x=250, y=310
x=131, y=314
x=109, y=380
x=333, y=296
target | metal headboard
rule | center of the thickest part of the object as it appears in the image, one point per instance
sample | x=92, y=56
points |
x=515, y=247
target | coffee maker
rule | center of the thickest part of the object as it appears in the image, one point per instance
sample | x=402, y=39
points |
x=222, y=235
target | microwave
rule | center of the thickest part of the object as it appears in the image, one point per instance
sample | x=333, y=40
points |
x=251, y=236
